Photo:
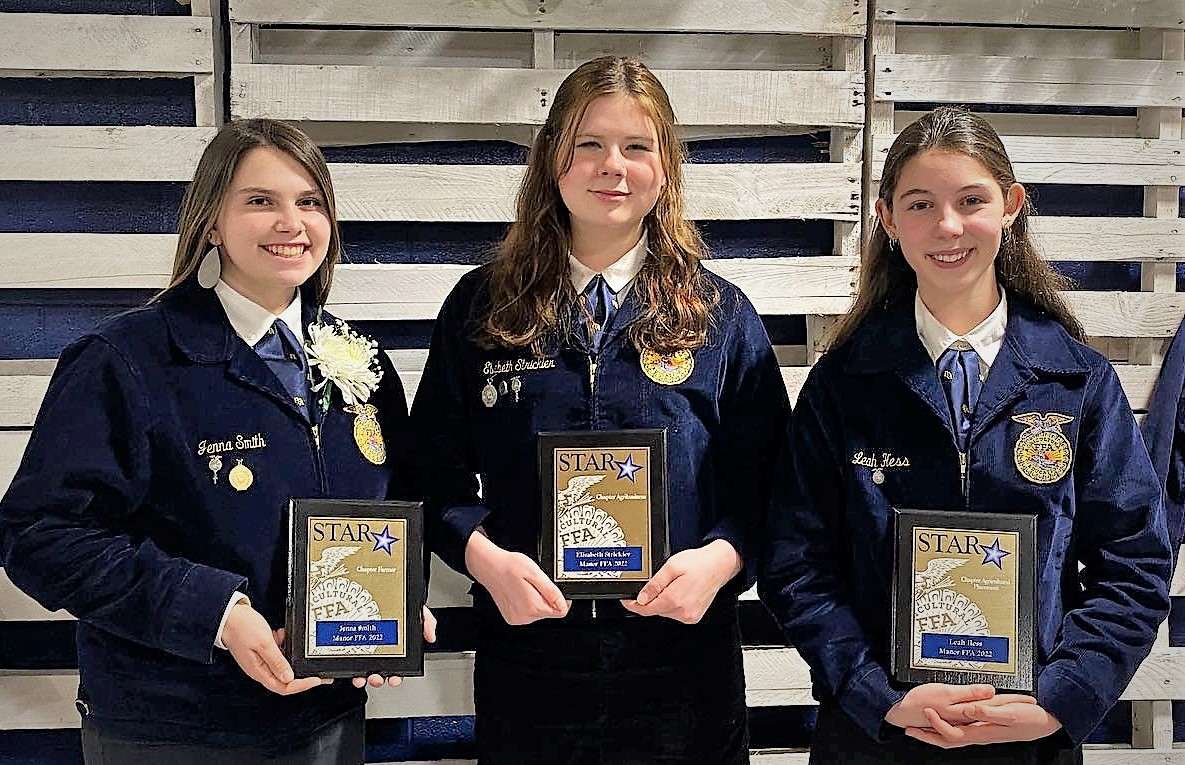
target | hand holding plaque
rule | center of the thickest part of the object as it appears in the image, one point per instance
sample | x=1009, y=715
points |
x=356, y=585
x=604, y=510
x=964, y=598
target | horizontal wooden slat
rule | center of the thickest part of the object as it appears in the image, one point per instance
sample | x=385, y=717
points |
x=1002, y=80
x=1045, y=125
x=1110, y=161
x=523, y=96
x=69, y=153
x=1035, y=42
x=824, y=17
x=48, y=44
x=1110, y=239
x=1128, y=314
x=828, y=191
x=420, y=47
x=1144, y=13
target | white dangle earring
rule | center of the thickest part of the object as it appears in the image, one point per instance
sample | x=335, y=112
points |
x=210, y=269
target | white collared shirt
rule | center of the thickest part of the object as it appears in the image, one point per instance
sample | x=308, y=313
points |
x=618, y=274
x=986, y=339
x=250, y=320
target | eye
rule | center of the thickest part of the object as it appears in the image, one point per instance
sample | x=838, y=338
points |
x=258, y=201
x=920, y=204
x=588, y=145
x=312, y=202
x=637, y=147
x=975, y=200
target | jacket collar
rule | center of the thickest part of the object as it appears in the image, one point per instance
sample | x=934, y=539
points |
x=888, y=343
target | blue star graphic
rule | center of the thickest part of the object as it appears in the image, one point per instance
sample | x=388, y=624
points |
x=994, y=554
x=383, y=540
x=626, y=468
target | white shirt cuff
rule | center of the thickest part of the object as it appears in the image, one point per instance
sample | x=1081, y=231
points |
x=235, y=599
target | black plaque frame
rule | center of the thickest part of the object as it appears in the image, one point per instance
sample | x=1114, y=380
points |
x=604, y=589
x=1025, y=678
x=296, y=616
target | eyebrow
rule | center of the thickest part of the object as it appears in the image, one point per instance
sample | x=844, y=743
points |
x=968, y=187
x=627, y=138
x=261, y=190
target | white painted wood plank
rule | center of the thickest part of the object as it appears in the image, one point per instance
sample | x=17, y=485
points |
x=1039, y=42
x=1018, y=123
x=824, y=17
x=1128, y=314
x=17, y=606
x=1105, y=13
x=445, y=689
x=38, y=702
x=71, y=153
x=1002, y=80
x=1110, y=239
x=1111, y=161
x=48, y=43
x=522, y=96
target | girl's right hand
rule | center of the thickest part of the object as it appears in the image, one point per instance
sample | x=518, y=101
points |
x=255, y=647
x=521, y=590
x=910, y=712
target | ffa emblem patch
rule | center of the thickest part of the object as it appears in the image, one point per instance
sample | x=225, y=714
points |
x=367, y=433
x=669, y=369
x=1042, y=452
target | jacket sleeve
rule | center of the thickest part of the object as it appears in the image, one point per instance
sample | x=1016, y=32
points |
x=754, y=410
x=1121, y=540
x=396, y=426
x=803, y=580
x=441, y=426
x=67, y=522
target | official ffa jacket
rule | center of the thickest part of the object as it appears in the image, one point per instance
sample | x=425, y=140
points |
x=1164, y=434
x=477, y=412
x=155, y=485
x=1052, y=435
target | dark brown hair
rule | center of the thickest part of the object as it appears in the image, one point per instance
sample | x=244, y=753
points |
x=885, y=276
x=211, y=182
x=531, y=295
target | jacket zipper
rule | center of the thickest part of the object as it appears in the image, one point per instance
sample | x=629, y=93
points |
x=963, y=473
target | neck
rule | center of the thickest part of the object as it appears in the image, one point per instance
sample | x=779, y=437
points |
x=602, y=249
x=964, y=311
x=274, y=301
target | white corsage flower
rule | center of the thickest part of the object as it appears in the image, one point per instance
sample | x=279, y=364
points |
x=344, y=358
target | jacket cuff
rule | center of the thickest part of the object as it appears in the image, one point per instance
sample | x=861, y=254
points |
x=459, y=523
x=867, y=700
x=732, y=532
x=199, y=601
x=1077, y=707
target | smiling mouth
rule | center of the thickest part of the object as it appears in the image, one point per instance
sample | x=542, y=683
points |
x=611, y=194
x=950, y=257
x=286, y=250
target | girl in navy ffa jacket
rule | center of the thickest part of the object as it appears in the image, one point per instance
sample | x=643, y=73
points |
x=1038, y=424
x=597, y=314
x=151, y=499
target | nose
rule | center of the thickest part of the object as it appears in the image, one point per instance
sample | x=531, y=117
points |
x=288, y=219
x=614, y=162
x=951, y=223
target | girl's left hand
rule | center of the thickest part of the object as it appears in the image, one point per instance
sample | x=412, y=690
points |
x=988, y=722
x=687, y=583
x=378, y=681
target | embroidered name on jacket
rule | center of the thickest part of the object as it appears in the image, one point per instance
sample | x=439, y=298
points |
x=238, y=443
x=878, y=463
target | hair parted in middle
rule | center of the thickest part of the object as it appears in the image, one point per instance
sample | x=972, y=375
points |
x=531, y=294
x=886, y=277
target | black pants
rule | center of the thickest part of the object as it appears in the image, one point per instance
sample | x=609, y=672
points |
x=839, y=741
x=341, y=742
x=611, y=691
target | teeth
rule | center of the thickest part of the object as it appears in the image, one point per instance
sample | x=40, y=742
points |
x=952, y=258
x=285, y=250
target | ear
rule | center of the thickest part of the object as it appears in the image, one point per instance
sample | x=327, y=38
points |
x=885, y=214
x=215, y=238
x=1014, y=202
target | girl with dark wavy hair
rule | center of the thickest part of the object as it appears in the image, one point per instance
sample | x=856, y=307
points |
x=959, y=384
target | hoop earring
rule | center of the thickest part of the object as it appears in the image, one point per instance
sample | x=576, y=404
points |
x=209, y=271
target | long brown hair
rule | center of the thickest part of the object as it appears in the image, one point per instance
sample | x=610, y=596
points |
x=885, y=276
x=211, y=181
x=531, y=295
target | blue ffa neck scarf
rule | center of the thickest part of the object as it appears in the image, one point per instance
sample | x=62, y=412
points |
x=283, y=354
x=958, y=369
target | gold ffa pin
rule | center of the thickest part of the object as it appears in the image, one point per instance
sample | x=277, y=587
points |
x=368, y=435
x=667, y=369
x=1043, y=453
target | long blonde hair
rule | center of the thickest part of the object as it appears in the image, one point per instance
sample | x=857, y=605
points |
x=531, y=295
x=886, y=277
x=211, y=182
